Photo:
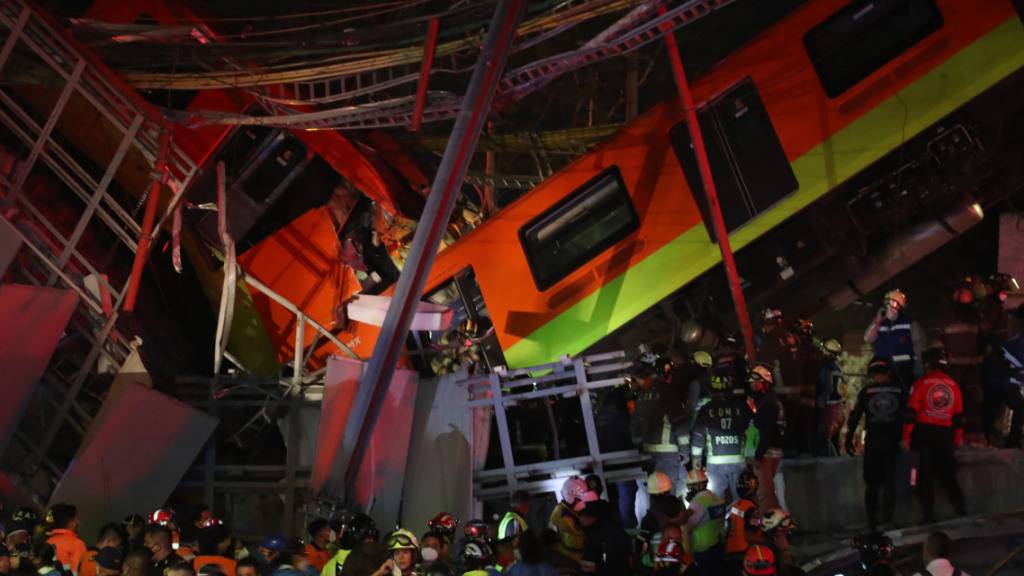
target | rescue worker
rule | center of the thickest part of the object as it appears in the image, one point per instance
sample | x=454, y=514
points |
x=959, y=331
x=666, y=509
x=705, y=524
x=828, y=401
x=404, y=548
x=514, y=522
x=659, y=413
x=356, y=529
x=1004, y=380
x=316, y=549
x=779, y=348
x=606, y=546
x=720, y=435
x=742, y=522
x=811, y=359
x=564, y=518
x=215, y=548
x=699, y=390
x=670, y=558
x=770, y=422
x=881, y=402
x=444, y=524
x=63, y=536
x=776, y=525
x=109, y=536
x=934, y=427
x=890, y=333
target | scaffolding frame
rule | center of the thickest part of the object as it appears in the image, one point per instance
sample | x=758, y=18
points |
x=578, y=377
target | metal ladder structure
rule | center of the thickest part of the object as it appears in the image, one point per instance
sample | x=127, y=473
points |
x=583, y=377
x=50, y=257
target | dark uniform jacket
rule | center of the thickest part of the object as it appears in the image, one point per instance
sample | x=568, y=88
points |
x=721, y=430
x=882, y=405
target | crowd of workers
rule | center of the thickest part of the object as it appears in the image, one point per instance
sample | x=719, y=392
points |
x=714, y=429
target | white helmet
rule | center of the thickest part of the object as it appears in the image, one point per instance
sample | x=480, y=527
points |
x=573, y=490
x=777, y=518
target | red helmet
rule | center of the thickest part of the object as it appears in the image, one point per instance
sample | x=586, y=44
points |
x=162, y=517
x=476, y=530
x=444, y=523
x=759, y=561
x=670, y=551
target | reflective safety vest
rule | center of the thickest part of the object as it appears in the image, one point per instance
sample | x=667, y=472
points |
x=227, y=565
x=334, y=565
x=664, y=444
x=707, y=524
x=895, y=341
x=736, y=526
x=512, y=525
x=570, y=534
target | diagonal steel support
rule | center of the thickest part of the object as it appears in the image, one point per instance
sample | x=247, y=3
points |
x=5, y=52
x=445, y=190
x=97, y=197
x=44, y=136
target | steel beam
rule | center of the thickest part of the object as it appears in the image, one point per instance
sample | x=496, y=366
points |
x=428, y=60
x=12, y=39
x=445, y=190
x=44, y=135
x=146, y=234
x=686, y=100
x=97, y=196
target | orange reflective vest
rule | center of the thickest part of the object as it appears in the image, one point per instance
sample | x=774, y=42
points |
x=70, y=548
x=227, y=565
x=736, y=525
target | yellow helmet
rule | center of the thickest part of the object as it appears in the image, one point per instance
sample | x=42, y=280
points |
x=702, y=359
x=832, y=346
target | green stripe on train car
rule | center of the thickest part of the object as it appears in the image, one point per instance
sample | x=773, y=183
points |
x=939, y=92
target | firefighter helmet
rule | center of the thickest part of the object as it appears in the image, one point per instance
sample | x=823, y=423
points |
x=476, y=530
x=401, y=539
x=163, y=517
x=778, y=519
x=761, y=372
x=444, y=524
x=573, y=489
x=746, y=483
x=832, y=347
x=895, y=299
x=670, y=551
x=759, y=561
x=803, y=326
x=702, y=358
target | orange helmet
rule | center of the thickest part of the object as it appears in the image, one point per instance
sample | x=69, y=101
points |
x=895, y=298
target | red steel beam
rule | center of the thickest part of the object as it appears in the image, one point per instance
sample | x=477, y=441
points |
x=148, y=220
x=711, y=193
x=428, y=61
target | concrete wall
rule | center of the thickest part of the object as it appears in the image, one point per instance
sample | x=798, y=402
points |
x=827, y=494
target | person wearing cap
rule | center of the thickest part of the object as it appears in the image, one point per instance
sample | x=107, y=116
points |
x=109, y=561
x=720, y=437
x=606, y=546
x=157, y=539
x=891, y=335
x=134, y=525
x=828, y=401
x=881, y=402
x=759, y=560
x=64, y=536
x=110, y=535
x=319, y=531
x=933, y=429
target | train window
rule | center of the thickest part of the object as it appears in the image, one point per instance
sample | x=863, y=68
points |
x=749, y=166
x=578, y=228
x=471, y=334
x=865, y=35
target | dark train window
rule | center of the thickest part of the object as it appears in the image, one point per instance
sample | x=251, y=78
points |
x=578, y=228
x=749, y=166
x=865, y=35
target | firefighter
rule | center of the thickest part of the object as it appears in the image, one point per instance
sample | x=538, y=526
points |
x=660, y=413
x=828, y=401
x=514, y=522
x=934, y=427
x=699, y=390
x=720, y=437
x=564, y=518
x=1003, y=381
x=742, y=522
x=959, y=331
x=770, y=422
x=780, y=349
x=890, y=335
x=881, y=402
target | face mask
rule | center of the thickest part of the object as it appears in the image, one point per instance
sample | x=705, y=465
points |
x=429, y=554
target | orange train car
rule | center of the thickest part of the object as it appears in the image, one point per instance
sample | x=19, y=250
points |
x=808, y=104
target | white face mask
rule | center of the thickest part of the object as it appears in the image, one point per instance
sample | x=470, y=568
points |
x=429, y=555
